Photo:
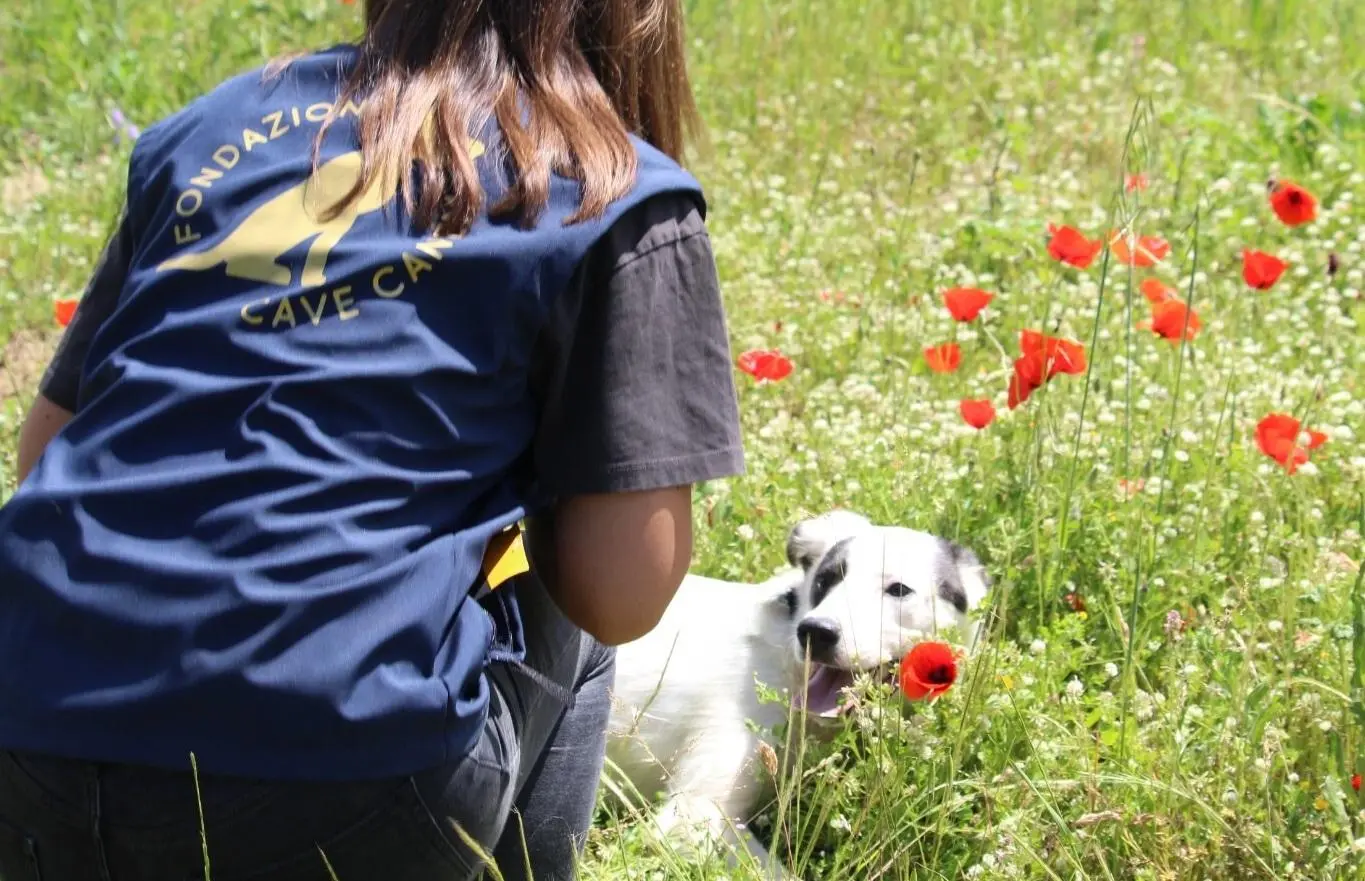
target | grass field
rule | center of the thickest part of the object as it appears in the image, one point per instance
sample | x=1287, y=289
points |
x=1174, y=690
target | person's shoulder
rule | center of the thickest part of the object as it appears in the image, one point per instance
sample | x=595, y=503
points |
x=659, y=178
x=664, y=205
x=287, y=80
x=666, y=220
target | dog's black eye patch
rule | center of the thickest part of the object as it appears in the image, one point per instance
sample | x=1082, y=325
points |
x=789, y=600
x=898, y=589
x=953, y=594
x=832, y=570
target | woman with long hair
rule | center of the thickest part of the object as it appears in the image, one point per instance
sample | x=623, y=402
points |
x=375, y=428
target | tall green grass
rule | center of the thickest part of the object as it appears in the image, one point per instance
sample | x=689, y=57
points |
x=1202, y=718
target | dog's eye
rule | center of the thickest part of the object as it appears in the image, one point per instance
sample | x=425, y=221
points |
x=898, y=590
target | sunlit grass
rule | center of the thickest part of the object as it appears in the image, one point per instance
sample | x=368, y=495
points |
x=1202, y=718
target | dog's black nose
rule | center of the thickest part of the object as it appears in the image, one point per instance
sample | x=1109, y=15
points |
x=819, y=636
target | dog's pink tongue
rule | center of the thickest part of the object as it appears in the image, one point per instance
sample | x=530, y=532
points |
x=822, y=691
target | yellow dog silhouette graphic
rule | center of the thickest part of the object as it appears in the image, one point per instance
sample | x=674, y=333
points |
x=254, y=248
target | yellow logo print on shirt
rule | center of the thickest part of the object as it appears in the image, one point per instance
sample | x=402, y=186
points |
x=255, y=247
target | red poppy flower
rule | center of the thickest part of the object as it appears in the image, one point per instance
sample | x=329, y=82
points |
x=1076, y=602
x=1028, y=377
x=927, y=671
x=1072, y=248
x=1278, y=437
x=1031, y=368
x=1260, y=270
x=1292, y=203
x=765, y=365
x=1169, y=320
x=1060, y=355
x=64, y=310
x=1142, y=251
x=1136, y=182
x=964, y=304
x=1155, y=290
x=943, y=358
x=977, y=414
x=1044, y=357
x=1355, y=782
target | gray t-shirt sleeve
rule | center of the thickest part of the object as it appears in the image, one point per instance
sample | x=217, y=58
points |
x=61, y=382
x=635, y=373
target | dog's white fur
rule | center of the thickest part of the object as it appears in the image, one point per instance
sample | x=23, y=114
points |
x=686, y=693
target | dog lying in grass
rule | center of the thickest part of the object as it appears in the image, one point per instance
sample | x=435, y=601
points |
x=856, y=598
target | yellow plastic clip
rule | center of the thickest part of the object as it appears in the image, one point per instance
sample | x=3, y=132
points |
x=505, y=557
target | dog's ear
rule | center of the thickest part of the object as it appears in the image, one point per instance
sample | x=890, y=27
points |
x=972, y=580
x=965, y=583
x=784, y=592
x=811, y=539
x=799, y=552
x=960, y=554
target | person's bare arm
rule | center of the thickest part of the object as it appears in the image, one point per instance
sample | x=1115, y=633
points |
x=41, y=424
x=613, y=561
x=637, y=386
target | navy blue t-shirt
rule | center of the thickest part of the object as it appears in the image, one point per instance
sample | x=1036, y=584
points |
x=257, y=538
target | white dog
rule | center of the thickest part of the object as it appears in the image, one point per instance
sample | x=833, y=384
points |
x=857, y=598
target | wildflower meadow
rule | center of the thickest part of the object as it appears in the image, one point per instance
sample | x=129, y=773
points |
x=1077, y=283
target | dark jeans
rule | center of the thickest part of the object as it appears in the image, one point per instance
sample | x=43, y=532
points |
x=64, y=820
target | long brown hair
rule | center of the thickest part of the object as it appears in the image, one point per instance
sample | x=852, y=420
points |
x=566, y=80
